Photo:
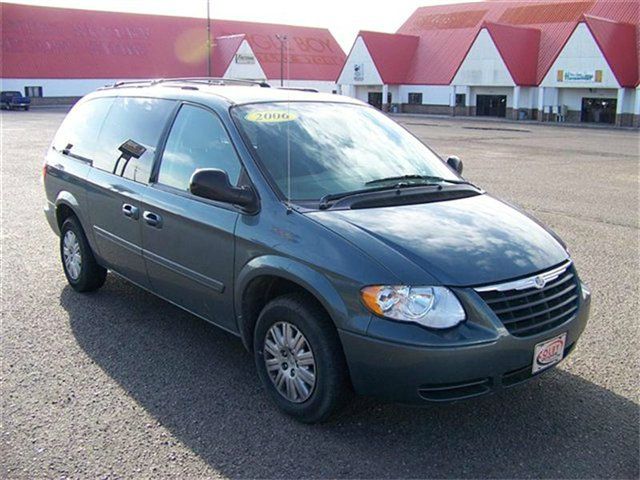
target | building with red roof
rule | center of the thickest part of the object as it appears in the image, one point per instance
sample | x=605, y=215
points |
x=555, y=60
x=61, y=52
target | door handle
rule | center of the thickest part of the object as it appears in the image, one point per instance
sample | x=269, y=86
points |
x=152, y=219
x=130, y=211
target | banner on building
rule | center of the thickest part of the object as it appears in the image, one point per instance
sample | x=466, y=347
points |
x=574, y=76
x=245, y=59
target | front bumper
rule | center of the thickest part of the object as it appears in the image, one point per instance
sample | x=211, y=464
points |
x=420, y=366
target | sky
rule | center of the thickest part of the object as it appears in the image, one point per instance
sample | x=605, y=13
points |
x=343, y=17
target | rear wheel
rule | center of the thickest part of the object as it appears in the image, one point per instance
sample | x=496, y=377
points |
x=80, y=267
x=299, y=358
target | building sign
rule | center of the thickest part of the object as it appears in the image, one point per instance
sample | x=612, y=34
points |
x=582, y=77
x=358, y=72
x=245, y=59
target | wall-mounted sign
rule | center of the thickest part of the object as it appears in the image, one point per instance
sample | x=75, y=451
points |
x=358, y=72
x=570, y=76
x=245, y=59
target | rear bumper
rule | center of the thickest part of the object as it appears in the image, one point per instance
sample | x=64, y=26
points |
x=50, y=214
x=421, y=374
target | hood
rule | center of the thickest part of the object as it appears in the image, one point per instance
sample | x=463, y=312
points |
x=471, y=241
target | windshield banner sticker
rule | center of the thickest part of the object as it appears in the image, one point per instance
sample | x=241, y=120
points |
x=271, y=116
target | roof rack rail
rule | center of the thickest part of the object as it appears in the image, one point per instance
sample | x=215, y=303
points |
x=299, y=89
x=199, y=80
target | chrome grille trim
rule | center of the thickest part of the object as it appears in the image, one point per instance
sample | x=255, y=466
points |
x=525, y=283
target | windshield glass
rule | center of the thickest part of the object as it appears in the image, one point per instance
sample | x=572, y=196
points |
x=333, y=148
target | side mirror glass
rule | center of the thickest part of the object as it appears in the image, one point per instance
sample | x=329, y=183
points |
x=455, y=163
x=213, y=184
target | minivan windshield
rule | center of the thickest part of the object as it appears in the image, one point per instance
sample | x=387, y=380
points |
x=312, y=150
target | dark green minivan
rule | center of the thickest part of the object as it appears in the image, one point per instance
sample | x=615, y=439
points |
x=345, y=254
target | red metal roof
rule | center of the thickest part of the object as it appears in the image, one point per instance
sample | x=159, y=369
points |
x=43, y=42
x=617, y=41
x=518, y=46
x=391, y=54
x=446, y=33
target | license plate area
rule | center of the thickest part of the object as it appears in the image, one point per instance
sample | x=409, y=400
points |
x=548, y=353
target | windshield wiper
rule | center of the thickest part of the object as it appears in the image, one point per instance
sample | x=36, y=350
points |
x=324, y=201
x=426, y=178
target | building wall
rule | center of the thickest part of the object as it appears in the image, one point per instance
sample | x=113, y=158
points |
x=361, y=58
x=572, y=97
x=483, y=65
x=431, y=94
x=319, y=85
x=251, y=71
x=56, y=87
x=581, y=54
x=508, y=91
x=74, y=88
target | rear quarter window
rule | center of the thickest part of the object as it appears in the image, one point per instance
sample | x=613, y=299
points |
x=81, y=127
x=139, y=119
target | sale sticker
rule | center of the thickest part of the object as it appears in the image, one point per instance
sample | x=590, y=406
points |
x=271, y=116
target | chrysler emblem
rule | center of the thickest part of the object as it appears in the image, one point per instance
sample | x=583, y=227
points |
x=539, y=282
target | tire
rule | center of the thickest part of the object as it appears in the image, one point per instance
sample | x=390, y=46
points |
x=331, y=387
x=26, y=109
x=85, y=275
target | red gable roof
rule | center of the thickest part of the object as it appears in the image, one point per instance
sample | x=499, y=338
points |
x=518, y=47
x=617, y=41
x=391, y=53
x=43, y=42
x=447, y=31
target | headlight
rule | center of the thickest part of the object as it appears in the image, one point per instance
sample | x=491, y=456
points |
x=434, y=307
x=585, y=290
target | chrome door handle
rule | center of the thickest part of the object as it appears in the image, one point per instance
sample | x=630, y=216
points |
x=130, y=211
x=152, y=219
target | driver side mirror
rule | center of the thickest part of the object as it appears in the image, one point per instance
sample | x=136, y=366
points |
x=455, y=163
x=213, y=184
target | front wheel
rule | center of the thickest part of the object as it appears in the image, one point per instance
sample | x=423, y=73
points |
x=299, y=358
x=80, y=267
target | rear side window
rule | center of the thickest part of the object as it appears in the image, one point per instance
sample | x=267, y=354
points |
x=197, y=140
x=139, y=119
x=81, y=128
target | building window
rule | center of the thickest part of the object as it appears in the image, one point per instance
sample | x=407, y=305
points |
x=33, y=91
x=415, y=98
x=460, y=99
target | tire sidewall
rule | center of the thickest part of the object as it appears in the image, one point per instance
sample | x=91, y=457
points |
x=71, y=224
x=315, y=407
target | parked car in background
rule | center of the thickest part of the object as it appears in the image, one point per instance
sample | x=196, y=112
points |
x=343, y=252
x=13, y=99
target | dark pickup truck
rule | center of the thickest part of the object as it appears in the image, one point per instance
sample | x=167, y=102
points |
x=11, y=100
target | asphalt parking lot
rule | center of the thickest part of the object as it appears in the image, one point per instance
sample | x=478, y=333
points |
x=121, y=384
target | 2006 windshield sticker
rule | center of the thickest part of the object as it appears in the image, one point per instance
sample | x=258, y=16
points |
x=271, y=116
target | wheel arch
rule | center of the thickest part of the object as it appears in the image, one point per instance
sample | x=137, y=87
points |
x=270, y=276
x=67, y=205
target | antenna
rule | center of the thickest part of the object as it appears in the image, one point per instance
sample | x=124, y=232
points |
x=208, y=38
x=288, y=131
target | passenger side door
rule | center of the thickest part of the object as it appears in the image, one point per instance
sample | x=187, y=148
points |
x=189, y=241
x=118, y=181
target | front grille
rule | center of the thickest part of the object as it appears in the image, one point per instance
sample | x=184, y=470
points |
x=530, y=310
